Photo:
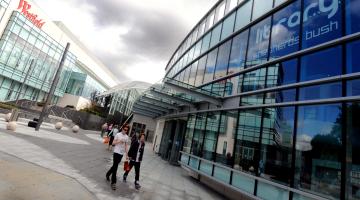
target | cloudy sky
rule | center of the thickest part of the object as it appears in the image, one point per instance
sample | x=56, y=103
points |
x=134, y=38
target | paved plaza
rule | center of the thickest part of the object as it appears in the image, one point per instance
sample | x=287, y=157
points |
x=53, y=164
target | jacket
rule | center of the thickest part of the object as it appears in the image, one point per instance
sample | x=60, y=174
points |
x=133, y=151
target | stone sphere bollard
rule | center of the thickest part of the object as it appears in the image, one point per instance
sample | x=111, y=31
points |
x=75, y=129
x=58, y=125
x=11, y=126
x=7, y=117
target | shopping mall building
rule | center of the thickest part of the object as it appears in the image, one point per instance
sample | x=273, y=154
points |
x=261, y=100
x=28, y=34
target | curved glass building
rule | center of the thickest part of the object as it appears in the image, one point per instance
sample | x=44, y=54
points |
x=263, y=97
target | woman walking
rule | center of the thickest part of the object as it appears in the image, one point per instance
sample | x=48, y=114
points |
x=120, y=141
x=135, y=155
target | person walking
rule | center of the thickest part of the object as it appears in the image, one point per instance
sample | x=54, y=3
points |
x=111, y=135
x=104, y=129
x=120, y=141
x=135, y=155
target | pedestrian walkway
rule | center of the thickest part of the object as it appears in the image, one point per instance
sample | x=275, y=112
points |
x=22, y=180
x=83, y=157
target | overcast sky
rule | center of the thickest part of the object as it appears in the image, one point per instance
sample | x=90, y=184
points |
x=133, y=38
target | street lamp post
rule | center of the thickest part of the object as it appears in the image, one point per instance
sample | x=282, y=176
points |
x=52, y=88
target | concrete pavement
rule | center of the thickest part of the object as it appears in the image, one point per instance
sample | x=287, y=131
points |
x=83, y=157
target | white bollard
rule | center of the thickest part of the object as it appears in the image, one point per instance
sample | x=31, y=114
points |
x=7, y=117
x=75, y=129
x=11, y=126
x=58, y=125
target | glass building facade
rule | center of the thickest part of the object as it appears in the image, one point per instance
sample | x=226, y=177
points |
x=21, y=44
x=287, y=73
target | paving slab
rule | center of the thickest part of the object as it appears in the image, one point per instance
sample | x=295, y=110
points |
x=84, y=158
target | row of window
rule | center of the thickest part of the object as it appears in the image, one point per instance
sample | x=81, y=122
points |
x=306, y=153
x=306, y=68
x=223, y=8
x=273, y=37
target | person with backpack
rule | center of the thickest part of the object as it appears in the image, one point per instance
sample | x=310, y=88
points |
x=135, y=155
x=120, y=141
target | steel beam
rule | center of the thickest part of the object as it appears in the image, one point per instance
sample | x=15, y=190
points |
x=176, y=99
x=160, y=103
x=195, y=94
x=148, y=109
x=153, y=106
x=146, y=115
x=136, y=110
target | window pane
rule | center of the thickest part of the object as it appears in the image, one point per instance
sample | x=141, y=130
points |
x=233, y=85
x=314, y=66
x=222, y=60
x=280, y=96
x=226, y=138
x=353, y=149
x=198, y=137
x=248, y=138
x=258, y=43
x=285, y=31
x=276, y=144
x=200, y=71
x=210, y=66
x=318, y=149
x=261, y=7
x=243, y=15
x=324, y=91
x=228, y=26
x=352, y=57
x=353, y=87
x=238, y=52
x=352, y=16
x=322, y=22
x=282, y=74
x=212, y=126
x=189, y=133
x=205, y=42
x=256, y=99
x=220, y=11
x=215, y=35
x=254, y=80
x=193, y=73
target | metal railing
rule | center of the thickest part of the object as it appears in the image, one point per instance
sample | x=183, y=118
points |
x=235, y=179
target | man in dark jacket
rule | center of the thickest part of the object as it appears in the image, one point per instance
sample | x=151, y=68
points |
x=135, y=155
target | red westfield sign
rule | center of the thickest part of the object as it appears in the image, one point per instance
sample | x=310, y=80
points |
x=24, y=6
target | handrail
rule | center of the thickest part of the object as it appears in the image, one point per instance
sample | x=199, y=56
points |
x=313, y=196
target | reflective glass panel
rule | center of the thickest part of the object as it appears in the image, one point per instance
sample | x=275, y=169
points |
x=285, y=31
x=353, y=87
x=210, y=66
x=331, y=90
x=222, y=60
x=215, y=35
x=352, y=16
x=228, y=26
x=261, y=7
x=352, y=150
x=352, y=57
x=238, y=52
x=254, y=80
x=247, y=144
x=258, y=43
x=200, y=71
x=322, y=22
x=243, y=15
x=318, y=149
x=314, y=66
x=276, y=144
x=282, y=74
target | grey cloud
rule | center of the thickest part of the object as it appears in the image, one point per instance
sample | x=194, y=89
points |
x=154, y=34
